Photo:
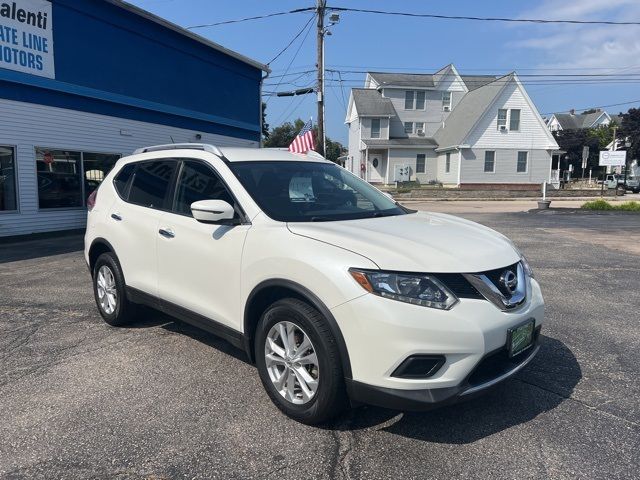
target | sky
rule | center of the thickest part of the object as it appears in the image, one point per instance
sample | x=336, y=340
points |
x=363, y=41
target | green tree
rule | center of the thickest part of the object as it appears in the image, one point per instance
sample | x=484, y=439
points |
x=630, y=127
x=604, y=135
x=282, y=136
x=572, y=142
x=265, y=125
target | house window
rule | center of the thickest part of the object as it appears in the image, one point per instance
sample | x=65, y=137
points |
x=523, y=160
x=8, y=197
x=420, y=127
x=420, y=163
x=447, y=163
x=408, y=127
x=414, y=100
x=502, y=118
x=67, y=178
x=375, y=128
x=408, y=99
x=514, y=120
x=489, y=161
x=446, y=101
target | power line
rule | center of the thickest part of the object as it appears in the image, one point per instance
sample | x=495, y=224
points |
x=257, y=17
x=483, y=19
x=292, y=40
x=308, y=29
x=600, y=106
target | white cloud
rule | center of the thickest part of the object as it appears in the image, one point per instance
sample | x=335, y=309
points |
x=586, y=46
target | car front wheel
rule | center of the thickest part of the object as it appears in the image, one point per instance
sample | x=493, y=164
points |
x=298, y=362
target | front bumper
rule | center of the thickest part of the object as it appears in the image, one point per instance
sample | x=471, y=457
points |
x=426, y=399
x=381, y=333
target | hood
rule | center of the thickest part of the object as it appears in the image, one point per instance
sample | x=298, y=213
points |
x=417, y=242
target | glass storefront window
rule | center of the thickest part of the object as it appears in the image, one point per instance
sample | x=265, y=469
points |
x=59, y=178
x=96, y=167
x=8, y=197
x=66, y=178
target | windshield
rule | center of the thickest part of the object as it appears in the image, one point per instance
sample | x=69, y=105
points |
x=312, y=192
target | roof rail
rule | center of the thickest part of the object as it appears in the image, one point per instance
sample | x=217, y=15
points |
x=180, y=146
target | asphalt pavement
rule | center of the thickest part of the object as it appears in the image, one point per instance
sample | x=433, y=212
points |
x=162, y=400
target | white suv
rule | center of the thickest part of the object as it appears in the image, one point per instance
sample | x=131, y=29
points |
x=337, y=292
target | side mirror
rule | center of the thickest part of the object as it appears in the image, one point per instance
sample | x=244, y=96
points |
x=213, y=211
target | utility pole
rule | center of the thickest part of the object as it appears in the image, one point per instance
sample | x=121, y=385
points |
x=320, y=10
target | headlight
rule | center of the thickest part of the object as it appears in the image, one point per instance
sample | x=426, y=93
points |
x=414, y=288
x=526, y=266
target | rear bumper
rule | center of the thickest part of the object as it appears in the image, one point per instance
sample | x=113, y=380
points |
x=493, y=369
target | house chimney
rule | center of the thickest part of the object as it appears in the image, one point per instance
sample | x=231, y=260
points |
x=572, y=111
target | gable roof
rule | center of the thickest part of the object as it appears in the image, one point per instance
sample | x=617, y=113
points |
x=417, y=80
x=571, y=121
x=476, y=81
x=470, y=108
x=370, y=103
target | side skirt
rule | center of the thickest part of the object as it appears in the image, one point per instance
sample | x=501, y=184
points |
x=232, y=336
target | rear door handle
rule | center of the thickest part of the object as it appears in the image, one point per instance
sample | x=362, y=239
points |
x=116, y=216
x=166, y=233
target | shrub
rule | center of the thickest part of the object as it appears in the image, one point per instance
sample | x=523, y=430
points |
x=601, y=204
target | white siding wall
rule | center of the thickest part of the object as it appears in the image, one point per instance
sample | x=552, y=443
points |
x=452, y=176
x=366, y=128
x=533, y=134
x=353, y=160
x=539, y=163
x=407, y=156
x=27, y=126
x=432, y=115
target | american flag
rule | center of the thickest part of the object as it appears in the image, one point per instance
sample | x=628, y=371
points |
x=304, y=141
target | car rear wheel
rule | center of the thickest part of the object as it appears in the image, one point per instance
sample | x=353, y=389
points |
x=109, y=291
x=299, y=363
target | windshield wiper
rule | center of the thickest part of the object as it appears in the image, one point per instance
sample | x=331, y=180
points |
x=322, y=219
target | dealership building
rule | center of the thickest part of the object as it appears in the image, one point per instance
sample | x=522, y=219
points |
x=83, y=83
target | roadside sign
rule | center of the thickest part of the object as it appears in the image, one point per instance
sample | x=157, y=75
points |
x=612, y=158
x=585, y=156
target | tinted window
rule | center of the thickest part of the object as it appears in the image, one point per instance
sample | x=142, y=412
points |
x=151, y=183
x=122, y=179
x=312, y=191
x=59, y=178
x=7, y=179
x=198, y=182
x=96, y=167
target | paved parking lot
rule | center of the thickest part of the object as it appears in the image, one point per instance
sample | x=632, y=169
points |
x=80, y=399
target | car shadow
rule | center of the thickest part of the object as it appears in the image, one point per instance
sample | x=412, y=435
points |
x=149, y=317
x=541, y=386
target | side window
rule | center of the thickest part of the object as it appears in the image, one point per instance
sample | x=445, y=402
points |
x=151, y=183
x=198, y=182
x=121, y=181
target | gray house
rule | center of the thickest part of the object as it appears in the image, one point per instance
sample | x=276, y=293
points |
x=444, y=127
x=580, y=121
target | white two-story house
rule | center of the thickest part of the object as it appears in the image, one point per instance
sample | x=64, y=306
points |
x=444, y=127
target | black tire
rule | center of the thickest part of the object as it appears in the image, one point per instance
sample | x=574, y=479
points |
x=124, y=311
x=330, y=398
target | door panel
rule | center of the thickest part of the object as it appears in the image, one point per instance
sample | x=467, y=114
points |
x=199, y=264
x=199, y=267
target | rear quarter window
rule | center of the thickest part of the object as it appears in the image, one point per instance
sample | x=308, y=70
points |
x=121, y=181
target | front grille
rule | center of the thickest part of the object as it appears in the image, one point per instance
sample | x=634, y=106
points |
x=494, y=276
x=498, y=363
x=459, y=285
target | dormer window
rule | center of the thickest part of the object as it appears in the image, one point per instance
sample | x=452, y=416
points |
x=414, y=99
x=446, y=101
x=375, y=128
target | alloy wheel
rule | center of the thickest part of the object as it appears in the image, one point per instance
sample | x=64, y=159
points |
x=106, y=286
x=291, y=362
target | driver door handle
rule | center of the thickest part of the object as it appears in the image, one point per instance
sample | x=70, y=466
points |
x=116, y=216
x=166, y=233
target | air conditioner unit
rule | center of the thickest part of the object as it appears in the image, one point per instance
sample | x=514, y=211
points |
x=420, y=131
x=503, y=128
x=446, y=109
